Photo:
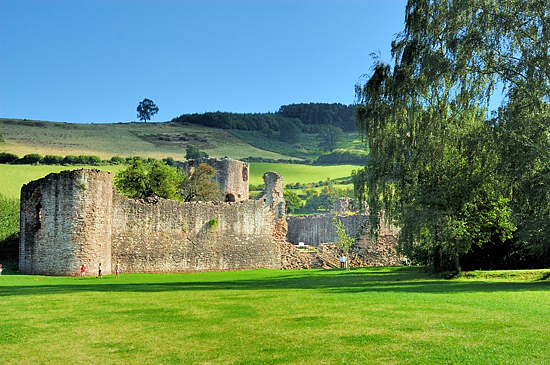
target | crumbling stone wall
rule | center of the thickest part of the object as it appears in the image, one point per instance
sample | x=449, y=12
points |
x=319, y=228
x=75, y=217
x=231, y=176
x=319, y=231
x=159, y=235
x=65, y=223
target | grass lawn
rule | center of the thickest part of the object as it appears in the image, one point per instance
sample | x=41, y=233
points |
x=365, y=316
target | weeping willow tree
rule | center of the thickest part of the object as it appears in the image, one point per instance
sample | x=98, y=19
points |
x=433, y=163
x=518, y=52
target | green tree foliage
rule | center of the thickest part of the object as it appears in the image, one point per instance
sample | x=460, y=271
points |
x=198, y=185
x=519, y=44
x=290, y=131
x=1, y=136
x=9, y=211
x=262, y=122
x=329, y=137
x=117, y=160
x=142, y=179
x=52, y=160
x=170, y=161
x=192, y=152
x=9, y=229
x=29, y=159
x=320, y=201
x=317, y=114
x=146, y=109
x=292, y=200
x=345, y=241
x=6, y=157
x=309, y=117
x=433, y=160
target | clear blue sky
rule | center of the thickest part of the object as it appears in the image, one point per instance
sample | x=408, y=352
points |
x=84, y=61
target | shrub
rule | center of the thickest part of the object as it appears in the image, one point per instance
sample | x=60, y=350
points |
x=89, y=160
x=70, y=160
x=193, y=152
x=117, y=160
x=170, y=161
x=52, y=160
x=342, y=157
x=30, y=159
x=6, y=157
x=213, y=223
x=9, y=229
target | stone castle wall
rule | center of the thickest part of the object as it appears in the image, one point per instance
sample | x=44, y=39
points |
x=319, y=228
x=159, y=235
x=231, y=176
x=65, y=222
x=75, y=217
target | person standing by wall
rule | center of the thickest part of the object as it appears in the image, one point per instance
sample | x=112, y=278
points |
x=117, y=269
x=82, y=271
x=99, y=273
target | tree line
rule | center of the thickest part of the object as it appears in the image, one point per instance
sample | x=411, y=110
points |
x=287, y=124
x=469, y=189
x=192, y=152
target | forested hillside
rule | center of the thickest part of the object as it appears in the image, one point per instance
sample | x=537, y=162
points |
x=306, y=118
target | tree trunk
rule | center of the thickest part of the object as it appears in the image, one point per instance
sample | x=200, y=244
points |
x=457, y=260
x=437, y=252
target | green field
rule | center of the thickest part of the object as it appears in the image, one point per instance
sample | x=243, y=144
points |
x=305, y=174
x=13, y=177
x=365, y=316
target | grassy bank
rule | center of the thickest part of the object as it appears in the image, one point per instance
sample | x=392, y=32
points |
x=366, y=316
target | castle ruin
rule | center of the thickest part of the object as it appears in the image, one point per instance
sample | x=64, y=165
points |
x=231, y=176
x=76, y=218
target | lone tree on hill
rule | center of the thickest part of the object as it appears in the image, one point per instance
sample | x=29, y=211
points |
x=146, y=109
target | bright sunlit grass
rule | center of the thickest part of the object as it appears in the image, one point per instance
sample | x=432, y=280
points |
x=13, y=177
x=305, y=174
x=366, y=316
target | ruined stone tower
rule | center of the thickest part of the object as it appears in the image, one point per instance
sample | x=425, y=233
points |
x=66, y=223
x=231, y=176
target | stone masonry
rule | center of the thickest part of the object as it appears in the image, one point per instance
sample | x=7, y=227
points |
x=76, y=218
x=315, y=229
x=231, y=176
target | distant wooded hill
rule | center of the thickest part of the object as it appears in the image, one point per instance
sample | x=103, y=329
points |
x=307, y=117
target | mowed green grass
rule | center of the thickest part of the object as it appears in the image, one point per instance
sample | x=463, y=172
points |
x=365, y=316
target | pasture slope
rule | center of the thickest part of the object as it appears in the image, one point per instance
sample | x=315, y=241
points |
x=377, y=315
x=157, y=140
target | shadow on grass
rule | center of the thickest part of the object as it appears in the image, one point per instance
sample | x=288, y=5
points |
x=406, y=280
